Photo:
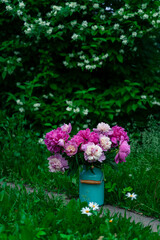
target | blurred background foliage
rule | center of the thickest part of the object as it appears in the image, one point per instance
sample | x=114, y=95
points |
x=81, y=62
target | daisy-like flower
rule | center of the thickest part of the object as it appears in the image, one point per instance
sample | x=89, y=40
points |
x=86, y=211
x=93, y=206
x=131, y=195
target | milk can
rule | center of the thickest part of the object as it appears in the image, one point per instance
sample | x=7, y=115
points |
x=91, y=186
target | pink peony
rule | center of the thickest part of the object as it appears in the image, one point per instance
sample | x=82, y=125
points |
x=66, y=128
x=88, y=136
x=93, y=153
x=71, y=148
x=57, y=163
x=124, y=151
x=118, y=135
x=103, y=128
x=105, y=142
x=55, y=140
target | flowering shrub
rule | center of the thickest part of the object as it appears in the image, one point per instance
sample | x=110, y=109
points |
x=92, y=147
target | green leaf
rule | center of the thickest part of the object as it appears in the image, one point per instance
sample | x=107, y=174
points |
x=2, y=59
x=120, y=58
x=4, y=74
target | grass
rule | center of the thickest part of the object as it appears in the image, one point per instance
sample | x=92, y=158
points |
x=31, y=216
x=23, y=159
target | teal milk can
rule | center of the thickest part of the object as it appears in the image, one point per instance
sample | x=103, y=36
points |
x=91, y=186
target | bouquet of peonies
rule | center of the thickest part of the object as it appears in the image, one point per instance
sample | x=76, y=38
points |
x=91, y=148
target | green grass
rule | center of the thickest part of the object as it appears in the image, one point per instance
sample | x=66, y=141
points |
x=31, y=216
x=24, y=160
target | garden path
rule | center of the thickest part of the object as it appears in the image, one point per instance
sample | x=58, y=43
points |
x=146, y=221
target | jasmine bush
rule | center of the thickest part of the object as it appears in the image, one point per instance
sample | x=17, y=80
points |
x=79, y=60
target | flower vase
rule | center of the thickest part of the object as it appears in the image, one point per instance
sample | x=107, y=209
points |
x=91, y=186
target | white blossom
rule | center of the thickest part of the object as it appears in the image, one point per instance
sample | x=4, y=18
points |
x=125, y=42
x=69, y=102
x=140, y=11
x=155, y=14
x=82, y=57
x=79, y=64
x=69, y=109
x=60, y=26
x=41, y=141
x=96, y=59
x=102, y=27
x=85, y=111
x=102, y=17
x=18, y=101
x=83, y=7
x=134, y=34
x=120, y=11
x=144, y=5
x=122, y=37
x=19, y=59
x=94, y=27
x=49, y=31
x=76, y=110
x=45, y=96
x=145, y=16
x=51, y=95
x=105, y=56
x=9, y=8
x=75, y=36
x=36, y=105
x=116, y=26
x=84, y=24
x=21, y=4
x=73, y=23
x=19, y=12
x=21, y=109
x=71, y=55
x=65, y=63
x=96, y=5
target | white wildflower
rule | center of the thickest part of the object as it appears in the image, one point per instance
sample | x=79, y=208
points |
x=132, y=196
x=125, y=17
x=85, y=126
x=135, y=49
x=86, y=211
x=36, y=109
x=88, y=67
x=120, y=11
x=94, y=206
x=140, y=11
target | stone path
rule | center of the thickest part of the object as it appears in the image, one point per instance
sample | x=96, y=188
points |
x=146, y=221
